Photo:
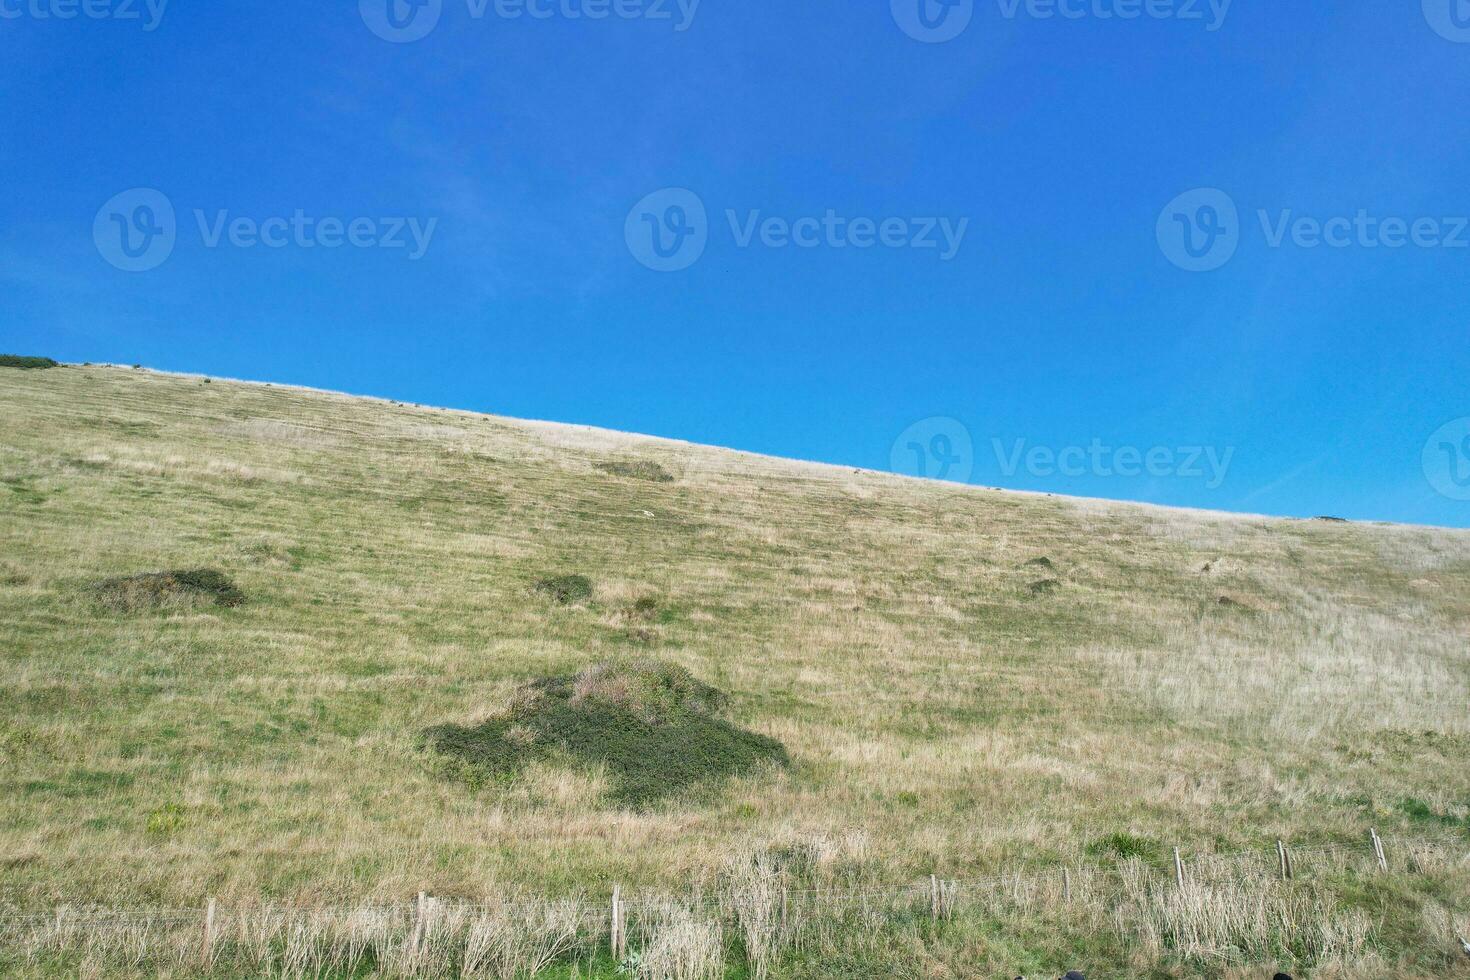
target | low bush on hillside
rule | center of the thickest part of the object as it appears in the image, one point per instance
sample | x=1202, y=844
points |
x=653, y=727
x=1045, y=586
x=566, y=589
x=169, y=590
x=27, y=363
x=637, y=469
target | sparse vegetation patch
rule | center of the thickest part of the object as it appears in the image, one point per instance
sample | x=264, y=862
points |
x=566, y=589
x=654, y=728
x=169, y=590
x=637, y=469
x=1044, y=586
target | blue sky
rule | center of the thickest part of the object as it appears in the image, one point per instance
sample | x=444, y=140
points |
x=1063, y=331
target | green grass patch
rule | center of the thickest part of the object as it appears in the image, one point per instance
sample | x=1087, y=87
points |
x=1417, y=809
x=1126, y=847
x=654, y=728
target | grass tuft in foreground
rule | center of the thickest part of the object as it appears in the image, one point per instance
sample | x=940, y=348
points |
x=653, y=726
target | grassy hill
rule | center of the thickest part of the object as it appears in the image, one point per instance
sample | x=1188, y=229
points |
x=962, y=682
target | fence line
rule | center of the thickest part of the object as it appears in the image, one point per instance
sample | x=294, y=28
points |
x=1374, y=848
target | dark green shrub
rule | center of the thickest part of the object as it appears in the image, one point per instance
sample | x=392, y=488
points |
x=654, y=727
x=161, y=590
x=566, y=589
x=27, y=363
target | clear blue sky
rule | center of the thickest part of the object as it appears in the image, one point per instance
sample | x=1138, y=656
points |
x=1054, y=148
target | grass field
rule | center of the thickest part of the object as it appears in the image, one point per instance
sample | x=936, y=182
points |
x=1202, y=681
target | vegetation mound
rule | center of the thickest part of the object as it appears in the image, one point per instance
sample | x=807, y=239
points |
x=27, y=363
x=637, y=469
x=654, y=728
x=1045, y=586
x=168, y=590
x=566, y=589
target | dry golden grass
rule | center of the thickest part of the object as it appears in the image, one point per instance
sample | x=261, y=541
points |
x=935, y=709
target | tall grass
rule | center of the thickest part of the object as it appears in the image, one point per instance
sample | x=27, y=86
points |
x=762, y=919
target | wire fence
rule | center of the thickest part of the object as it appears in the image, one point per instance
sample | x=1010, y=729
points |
x=1283, y=860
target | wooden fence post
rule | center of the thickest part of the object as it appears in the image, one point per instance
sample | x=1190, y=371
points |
x=1378, y=850
x=934, y=896
x=1283, y=860
x=618, y=939
x=420, y=906
x=209, y=932
x=1178, y=867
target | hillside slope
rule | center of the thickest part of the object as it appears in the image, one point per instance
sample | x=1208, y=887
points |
x=1204, y=681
